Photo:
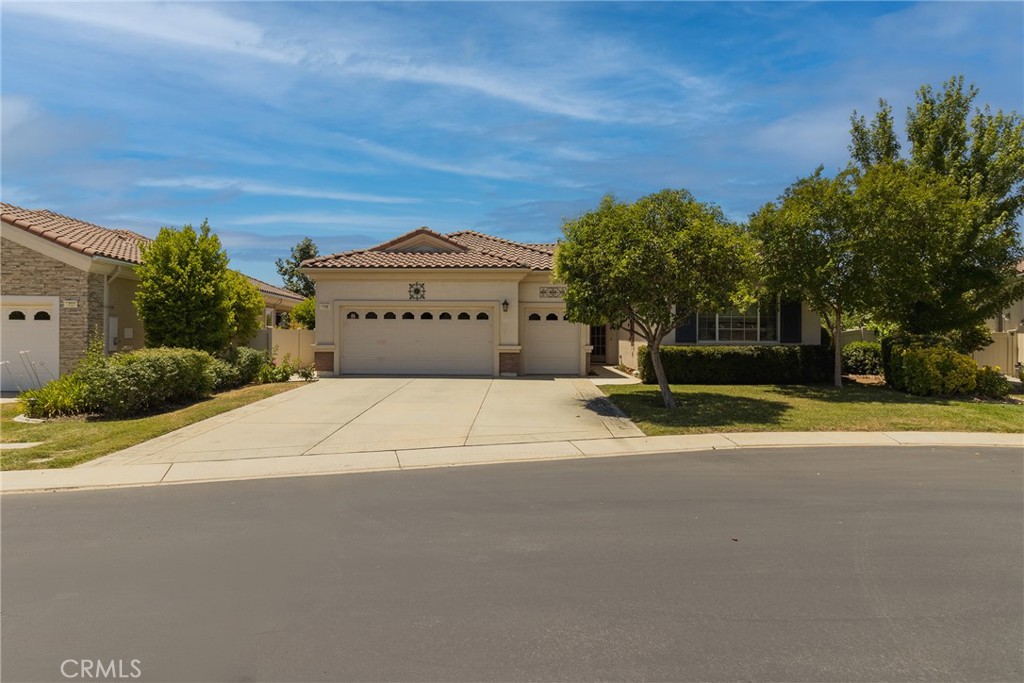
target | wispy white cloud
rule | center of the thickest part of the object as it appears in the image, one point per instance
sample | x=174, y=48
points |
x=494, y=167
x=187, y=24
x=325, y=219
x=506, y=86
x=269, y=189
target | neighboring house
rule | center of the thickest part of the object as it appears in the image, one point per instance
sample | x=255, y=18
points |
x=64, y=280
x=466, y=303
x=277, y=300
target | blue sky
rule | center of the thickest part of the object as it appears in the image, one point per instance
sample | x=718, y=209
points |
x=354, y=122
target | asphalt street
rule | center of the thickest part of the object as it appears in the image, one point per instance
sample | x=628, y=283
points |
x=810, y=564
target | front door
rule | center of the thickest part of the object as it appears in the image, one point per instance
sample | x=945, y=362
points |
x=599, y=340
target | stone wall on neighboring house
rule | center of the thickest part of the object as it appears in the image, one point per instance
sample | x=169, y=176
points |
x=28, y=273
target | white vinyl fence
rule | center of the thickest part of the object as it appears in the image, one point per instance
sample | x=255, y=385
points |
x=295, y=343
x=857, y=334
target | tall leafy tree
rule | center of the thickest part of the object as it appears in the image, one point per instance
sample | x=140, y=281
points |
x=813, y=246
x=304, y=313
x=245, y=308
x=646, y=267
x=970, y=264
x=182, y=296
x=289, y=268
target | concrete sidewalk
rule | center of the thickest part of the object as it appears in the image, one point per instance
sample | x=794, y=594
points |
x=414, y=458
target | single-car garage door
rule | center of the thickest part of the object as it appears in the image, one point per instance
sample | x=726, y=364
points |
x=551, y=344
x=392, y=340
x=29, y=341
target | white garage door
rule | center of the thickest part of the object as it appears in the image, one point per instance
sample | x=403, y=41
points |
x=392, y=340
x=551, y=344
x=29, y=341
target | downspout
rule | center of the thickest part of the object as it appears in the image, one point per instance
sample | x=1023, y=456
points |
x=107, y=279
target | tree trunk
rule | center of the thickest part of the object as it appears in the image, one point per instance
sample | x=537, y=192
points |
x=659, y=372
x=837, y=343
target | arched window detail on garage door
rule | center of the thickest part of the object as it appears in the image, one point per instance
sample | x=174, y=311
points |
x=445, y=316
x=16, y=315
x=41, y=315
x=352, y=315
x=552, y=316
x=389, y=316
x=427, y=315
x=408, y=316
x=371, y=316
x=463, y=316
x=534, y=316
x=565, y=317
x=482, y=316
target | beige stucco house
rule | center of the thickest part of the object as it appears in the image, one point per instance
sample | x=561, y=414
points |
x=62, y=281
x=466, y=303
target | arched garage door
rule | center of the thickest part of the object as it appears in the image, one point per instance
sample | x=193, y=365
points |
x=551, y=344
x=29, y=324
x=392, y=340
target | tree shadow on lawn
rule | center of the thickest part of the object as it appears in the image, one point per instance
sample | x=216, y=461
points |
x=854, y=393
x=701, y=409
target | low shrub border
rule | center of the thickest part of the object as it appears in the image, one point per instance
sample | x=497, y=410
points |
x=150, y=380
x=862, y=358
x=929, y=366
x=739, y=364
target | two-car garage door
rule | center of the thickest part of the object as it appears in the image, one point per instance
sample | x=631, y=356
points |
x=391, y=340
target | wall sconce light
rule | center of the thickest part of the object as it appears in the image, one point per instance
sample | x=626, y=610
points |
x=504, y=305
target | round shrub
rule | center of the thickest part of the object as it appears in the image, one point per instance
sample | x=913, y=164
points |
x=862, y=358
x=225, y=375
x=990, y=381
x=249, y=363
x=933, y=371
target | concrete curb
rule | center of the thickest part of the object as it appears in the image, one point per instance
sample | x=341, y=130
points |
x=120, y=476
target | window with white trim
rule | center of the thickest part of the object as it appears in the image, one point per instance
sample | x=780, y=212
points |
x=759, y=324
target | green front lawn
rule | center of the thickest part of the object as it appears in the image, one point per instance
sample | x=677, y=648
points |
x=71, y=441
x=855, y=408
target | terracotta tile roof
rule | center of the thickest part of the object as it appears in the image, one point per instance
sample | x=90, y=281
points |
x=274, y=290
x=85, y=238
x=531, y=256
x=94, y=240
x=385, y=246
x=477, y=251
x=365, y=258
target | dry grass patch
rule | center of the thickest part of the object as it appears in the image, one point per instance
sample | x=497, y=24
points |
x=74, y=440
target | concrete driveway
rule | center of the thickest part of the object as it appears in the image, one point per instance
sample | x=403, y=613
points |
x=368, y=414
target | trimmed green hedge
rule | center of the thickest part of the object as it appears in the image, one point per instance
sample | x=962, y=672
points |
x=740, y=364
x=862, y=358
x=150, y=380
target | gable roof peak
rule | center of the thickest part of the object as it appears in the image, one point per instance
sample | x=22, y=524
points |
x=420, y=239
